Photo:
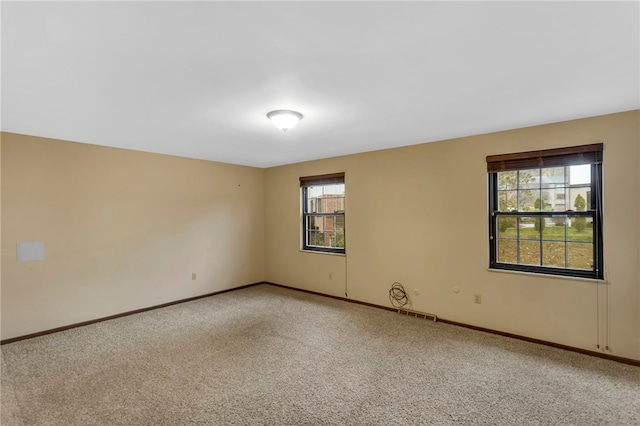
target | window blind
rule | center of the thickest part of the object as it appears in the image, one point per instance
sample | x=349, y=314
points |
x=333, y=178
x=584, y=154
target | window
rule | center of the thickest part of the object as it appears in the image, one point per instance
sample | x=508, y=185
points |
x=558, y=234
x=323, y=213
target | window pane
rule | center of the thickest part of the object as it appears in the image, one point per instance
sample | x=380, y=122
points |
x=336, y=204
x=529, y=179
x=507, y=227
x=314, y=222
x=328, y=239
x=580, y=174
x=552, y=182
x=337, y=189
x=527, y=200
x=314, y=194
x=507, y=180
x=529, y=252
x=337, y=239
x=507, y=251
x=311, y=238
x=553, y=254
x=580, y=255
x=580, y=229
x=552, y=177
x=329, y=223
x=326, y=231
x=530, y=228
x=578, y=198
x=557, y=199
x=507, y=201
x=554, y=229
x=325, y=198
x=316, y=230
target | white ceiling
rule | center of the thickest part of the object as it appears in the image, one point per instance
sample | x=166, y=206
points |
x=196, y=79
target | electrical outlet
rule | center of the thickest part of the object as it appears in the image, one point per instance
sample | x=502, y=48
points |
x=193, y=275
x=477, y=298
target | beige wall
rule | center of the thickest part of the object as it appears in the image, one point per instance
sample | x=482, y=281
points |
x=122, y=230
x=418, y=215
x=125, y=230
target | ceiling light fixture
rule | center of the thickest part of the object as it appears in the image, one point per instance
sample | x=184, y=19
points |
x=284, y=119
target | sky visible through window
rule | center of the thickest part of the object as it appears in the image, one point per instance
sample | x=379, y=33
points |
x=579, y=175
x=317, y=191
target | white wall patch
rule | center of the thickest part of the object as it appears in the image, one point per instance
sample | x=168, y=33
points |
x=30, y=251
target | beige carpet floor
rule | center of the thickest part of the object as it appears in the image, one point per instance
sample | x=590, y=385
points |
x=265, y=355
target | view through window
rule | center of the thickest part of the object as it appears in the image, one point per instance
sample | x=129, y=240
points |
x=547, y=219
x=323, y=223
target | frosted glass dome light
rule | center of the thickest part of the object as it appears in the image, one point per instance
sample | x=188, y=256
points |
x=284, y=119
